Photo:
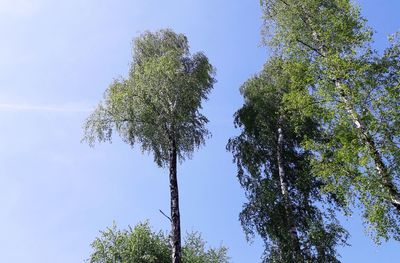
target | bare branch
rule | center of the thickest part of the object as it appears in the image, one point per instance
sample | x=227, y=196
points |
x=165, y=215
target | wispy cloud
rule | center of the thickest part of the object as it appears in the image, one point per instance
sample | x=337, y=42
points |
x=48, y=108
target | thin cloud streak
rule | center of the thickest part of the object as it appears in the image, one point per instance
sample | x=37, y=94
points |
x=27, y=107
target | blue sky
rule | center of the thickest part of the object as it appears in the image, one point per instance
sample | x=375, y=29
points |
x=57, y=58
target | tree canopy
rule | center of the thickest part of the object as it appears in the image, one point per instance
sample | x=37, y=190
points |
x=159, y=100
x=284, y=195
x=358, y=89
x=158, y=107
x=141, y=244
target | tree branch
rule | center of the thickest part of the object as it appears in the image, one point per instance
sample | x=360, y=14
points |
x=310, y=47
x=165, y=215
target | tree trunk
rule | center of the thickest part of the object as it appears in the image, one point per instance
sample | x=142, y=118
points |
x=285, y=193
x=175, y=216
x=367, y=139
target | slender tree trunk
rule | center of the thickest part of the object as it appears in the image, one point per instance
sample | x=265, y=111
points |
x=285, y=193
x=175, y=216
x=376, y=155
x=366, y=137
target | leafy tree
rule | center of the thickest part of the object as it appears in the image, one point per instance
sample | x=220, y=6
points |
x=194, y=251
x=142, y=245
x=157, y=106
x=359, y=90
x=284, y=195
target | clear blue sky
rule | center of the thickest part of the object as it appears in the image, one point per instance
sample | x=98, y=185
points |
x=57, y=58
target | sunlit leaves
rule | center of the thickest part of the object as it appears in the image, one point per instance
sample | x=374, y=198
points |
x=160, y=100
x=142, y=245
x=357, y=91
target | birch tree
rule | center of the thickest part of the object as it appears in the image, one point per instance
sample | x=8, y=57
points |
x=274, y=170
x=158, y=108
x=359, y=89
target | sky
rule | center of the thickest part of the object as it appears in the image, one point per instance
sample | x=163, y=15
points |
x=56, y=60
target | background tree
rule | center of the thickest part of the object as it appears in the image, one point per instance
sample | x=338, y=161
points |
x=142, y=245
x=359, y=91
x=157, y=107
x=284, y=195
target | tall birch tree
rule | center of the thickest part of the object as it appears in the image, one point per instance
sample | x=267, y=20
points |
x=359, y=89
x=274, y=169
x=158, y=107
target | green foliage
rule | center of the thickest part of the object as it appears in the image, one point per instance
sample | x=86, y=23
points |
x=134, y=245
x=314, y=26
x=159, y=102
x=357, y=90
x=195, y=251
x=255, y=153
x=142, y=245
